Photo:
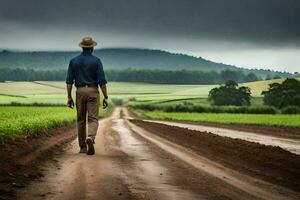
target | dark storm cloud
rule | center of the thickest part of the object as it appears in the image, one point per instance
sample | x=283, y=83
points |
x=268, y=22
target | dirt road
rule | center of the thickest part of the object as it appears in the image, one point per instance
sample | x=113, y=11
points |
x=132, y=163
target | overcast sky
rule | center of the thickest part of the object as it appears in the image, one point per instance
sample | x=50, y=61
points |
x=246, y=33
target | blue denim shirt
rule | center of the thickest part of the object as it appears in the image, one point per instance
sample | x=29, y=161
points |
x=85, y=69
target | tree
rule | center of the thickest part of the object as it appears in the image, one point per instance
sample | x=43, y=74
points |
x=251, y=77
x=230, y=94
x=268, y=77
x=282, y=95
x=231, y=84
x=245, y=94
x=228, y=75
x=277, y=77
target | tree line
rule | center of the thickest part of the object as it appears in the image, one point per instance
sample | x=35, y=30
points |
x=123, y=58
x=229, y=98
x=135, y=75
x=285, y=95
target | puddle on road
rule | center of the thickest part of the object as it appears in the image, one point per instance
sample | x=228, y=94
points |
x=291, y=145
x=149, y=172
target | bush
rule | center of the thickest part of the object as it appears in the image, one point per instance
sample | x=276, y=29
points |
x=291, y=110
x=261, y=110
x=283, y=95
x=117, y=102
x=132, y=99
x=206, y=109
x=230, y=94
x=187, y=103
x=244, y=109
x=149, y=107
x=35, y=104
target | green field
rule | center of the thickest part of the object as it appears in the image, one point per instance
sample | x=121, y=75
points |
x=55, y=92
x=226, y=118
x=31, y=120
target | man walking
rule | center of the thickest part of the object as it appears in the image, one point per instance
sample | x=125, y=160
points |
x=87, y=71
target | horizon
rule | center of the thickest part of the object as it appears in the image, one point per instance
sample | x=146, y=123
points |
x=132, y=48
x=249, y=34
x=188, y=53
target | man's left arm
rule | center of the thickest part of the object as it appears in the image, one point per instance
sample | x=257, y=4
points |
x=70, y=99
x=102, y=82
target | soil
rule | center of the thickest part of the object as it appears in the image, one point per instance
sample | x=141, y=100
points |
x=269, y=163
x=21, y=158
x=290, y=144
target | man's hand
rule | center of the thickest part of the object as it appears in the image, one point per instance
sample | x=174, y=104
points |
x=70, y=103
x=105, y=103
x=70, y=100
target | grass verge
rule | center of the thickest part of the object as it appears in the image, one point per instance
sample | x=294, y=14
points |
x=16, y=121
x=226, y=118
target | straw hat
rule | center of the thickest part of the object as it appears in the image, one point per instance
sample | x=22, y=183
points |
x=87, y=42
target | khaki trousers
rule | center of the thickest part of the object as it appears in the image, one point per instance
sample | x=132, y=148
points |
x=87, y=106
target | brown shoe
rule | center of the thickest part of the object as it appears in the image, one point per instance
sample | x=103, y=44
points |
x=90, y=145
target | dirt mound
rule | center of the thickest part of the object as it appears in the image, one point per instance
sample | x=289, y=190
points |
x=21, y=159
x=269, y=163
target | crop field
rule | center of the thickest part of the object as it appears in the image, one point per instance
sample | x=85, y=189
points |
x=226, y=118
x=30, y=120
x=255, y=101
x=258, y=86
x=55, y=93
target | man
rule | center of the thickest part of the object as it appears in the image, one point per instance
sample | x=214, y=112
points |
x=87, y=71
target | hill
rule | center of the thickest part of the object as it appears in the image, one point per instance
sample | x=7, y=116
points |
x=122, y=58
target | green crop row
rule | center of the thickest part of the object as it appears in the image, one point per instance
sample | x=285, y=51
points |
x=206, y=108
x=16, y=121
x=30, y=120
x=227, y=118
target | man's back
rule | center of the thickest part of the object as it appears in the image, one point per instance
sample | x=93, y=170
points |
x=86, y=69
